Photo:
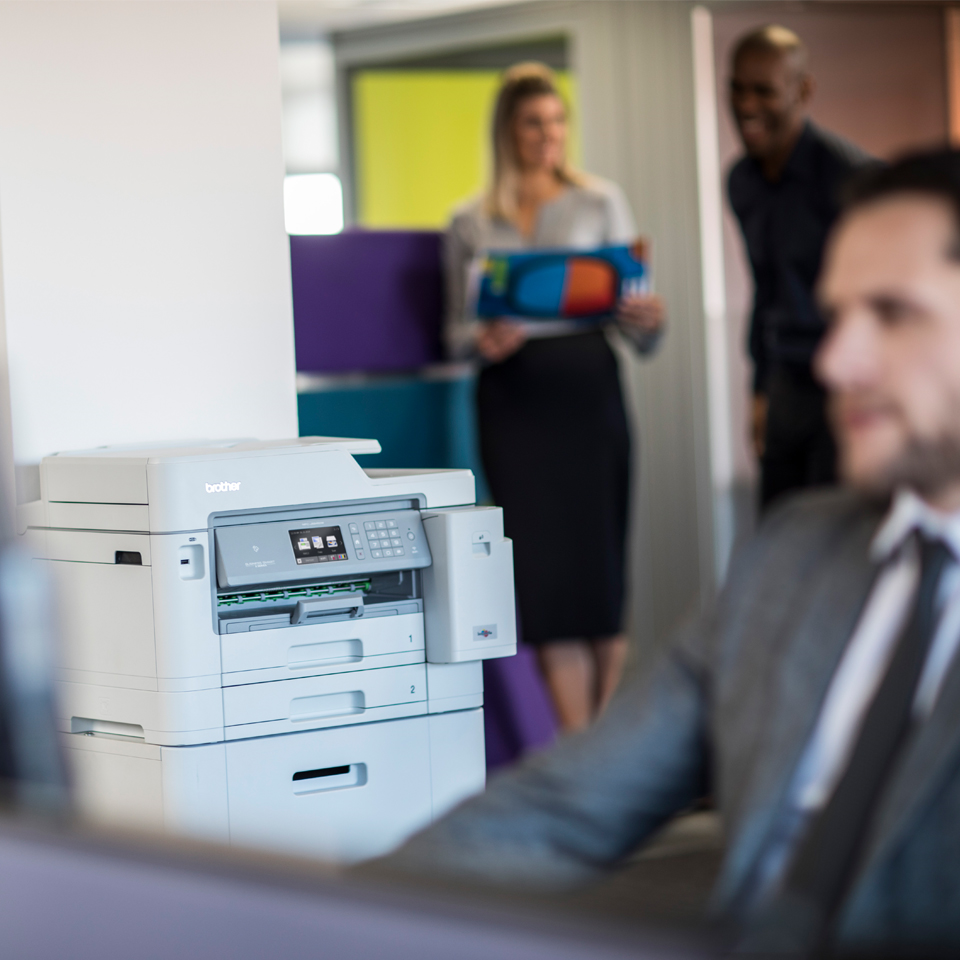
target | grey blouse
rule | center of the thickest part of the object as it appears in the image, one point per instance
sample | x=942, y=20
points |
x=583, y=217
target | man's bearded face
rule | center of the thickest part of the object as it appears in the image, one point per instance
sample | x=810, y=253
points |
x=891, y=358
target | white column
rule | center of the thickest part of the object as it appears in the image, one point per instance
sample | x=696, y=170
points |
x=145, y=263
x=710, y=191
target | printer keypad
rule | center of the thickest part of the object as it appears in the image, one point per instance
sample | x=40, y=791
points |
x=383, y=539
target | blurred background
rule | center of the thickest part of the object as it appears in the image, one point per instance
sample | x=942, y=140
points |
x=386, y=111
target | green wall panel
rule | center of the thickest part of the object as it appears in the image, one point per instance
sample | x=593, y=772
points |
x=421, y=142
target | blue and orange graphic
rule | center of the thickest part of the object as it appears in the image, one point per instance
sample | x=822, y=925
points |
x=569, y=284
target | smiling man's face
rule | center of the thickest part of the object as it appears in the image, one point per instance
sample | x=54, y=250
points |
x=891, y=357
x=768, y=97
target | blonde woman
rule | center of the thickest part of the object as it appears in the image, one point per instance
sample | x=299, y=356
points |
x=553, y=431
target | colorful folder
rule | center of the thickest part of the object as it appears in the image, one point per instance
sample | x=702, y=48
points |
x=580, y=285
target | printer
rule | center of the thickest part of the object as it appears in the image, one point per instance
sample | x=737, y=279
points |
x=266, y=644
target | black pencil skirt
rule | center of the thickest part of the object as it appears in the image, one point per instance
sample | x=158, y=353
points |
x=556, y=450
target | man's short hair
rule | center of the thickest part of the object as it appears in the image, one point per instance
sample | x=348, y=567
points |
x=773, y=39
x=934, y=173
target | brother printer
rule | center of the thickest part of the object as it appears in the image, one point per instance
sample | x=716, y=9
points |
x=266, y=644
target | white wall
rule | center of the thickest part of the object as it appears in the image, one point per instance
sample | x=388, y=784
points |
x=145, y=263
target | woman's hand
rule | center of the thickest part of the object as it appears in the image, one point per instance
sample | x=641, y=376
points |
x=645, y=312
x=499, y=340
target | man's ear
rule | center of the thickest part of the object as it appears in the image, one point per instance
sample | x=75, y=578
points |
x=807, y=88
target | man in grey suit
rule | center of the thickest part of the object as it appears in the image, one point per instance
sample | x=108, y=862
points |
x=819, y=701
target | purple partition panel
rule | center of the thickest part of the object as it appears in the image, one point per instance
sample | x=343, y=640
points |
x=518, y=716
x=367, y=300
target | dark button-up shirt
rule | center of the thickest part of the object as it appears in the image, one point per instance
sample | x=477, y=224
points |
x=785, y=224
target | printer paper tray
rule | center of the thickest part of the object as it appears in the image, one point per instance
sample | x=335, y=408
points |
x=262, y=709
x=322, y=648
x=352, y=821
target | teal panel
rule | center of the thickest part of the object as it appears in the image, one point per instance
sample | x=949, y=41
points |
x=419, y=423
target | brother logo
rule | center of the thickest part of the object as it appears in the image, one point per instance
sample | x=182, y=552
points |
x=222, y=487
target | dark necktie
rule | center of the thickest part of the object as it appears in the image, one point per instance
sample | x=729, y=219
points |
x=823, y=865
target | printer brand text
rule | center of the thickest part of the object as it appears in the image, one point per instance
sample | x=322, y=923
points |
x=222, y=487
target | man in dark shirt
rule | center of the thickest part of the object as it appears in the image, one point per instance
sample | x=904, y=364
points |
x=785, y=195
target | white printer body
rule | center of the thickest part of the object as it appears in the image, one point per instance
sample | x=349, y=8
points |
x=269, y=645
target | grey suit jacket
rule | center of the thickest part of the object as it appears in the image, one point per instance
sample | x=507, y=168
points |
x=733, y=704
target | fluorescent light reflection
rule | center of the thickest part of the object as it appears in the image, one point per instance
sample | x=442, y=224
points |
x=313, y=203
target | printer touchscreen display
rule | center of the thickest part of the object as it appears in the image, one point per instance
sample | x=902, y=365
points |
x=318, y=545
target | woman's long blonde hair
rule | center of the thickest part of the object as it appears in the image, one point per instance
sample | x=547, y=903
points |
x=519, y=83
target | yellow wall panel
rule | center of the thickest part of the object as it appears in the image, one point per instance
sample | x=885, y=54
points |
x=421, y=142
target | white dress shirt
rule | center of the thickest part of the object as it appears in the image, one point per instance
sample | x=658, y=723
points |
x=865, y=660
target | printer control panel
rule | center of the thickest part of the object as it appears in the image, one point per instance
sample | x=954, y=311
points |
x=309, y=548
x=385, y=538
x=318, y=545
x=379, y=539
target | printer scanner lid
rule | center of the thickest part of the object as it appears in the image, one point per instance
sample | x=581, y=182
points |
x=179, y=486
x=118, y=474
